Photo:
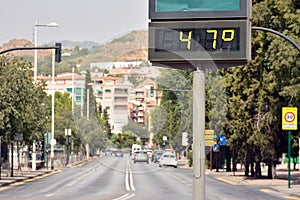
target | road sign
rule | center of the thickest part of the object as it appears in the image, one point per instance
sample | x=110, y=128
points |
x=68, y=132
x=209, y=138
x=185, y=140
x=289, y=118
x=53, y=141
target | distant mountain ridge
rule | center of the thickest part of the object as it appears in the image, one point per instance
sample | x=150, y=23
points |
x=131, y=46
x=68, y=44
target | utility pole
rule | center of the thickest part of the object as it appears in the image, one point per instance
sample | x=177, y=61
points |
x=198, y=134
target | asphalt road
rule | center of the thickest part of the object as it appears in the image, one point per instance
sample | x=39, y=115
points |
x=118, y=178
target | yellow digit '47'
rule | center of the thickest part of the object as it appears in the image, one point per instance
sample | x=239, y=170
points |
x=215, y=32
x=188, y=39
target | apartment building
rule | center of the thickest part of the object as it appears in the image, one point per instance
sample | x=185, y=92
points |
x=64, y=83
x=143, y=99
x=112, y=93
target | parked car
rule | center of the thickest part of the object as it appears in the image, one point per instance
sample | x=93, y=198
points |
x=108, y=152
x=140, y=156
x=168, y=159
x=119, y=153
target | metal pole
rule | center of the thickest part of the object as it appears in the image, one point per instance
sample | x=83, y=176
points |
x=88, y=103
x=46, y=146
x=198, y=135
x=81, y=110
x=298, y=155
x=211, y=157
x=289, y=159
x=53, y=98
x=67, y=148
x=88, y=116
x=73, y=93
x=35, y=50
x=0, y=156
x=33, y=155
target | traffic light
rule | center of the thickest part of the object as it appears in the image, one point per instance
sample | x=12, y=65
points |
x=57, y=52
x=151, y=91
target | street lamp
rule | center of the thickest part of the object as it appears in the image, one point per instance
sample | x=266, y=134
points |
x=73, y=87
x=88, y=101
x=52, y=24
x=52, y=141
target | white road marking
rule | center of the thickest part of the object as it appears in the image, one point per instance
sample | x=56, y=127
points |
x=49, y=195
x=125, y=196
x=129, y=178
x=126, y=180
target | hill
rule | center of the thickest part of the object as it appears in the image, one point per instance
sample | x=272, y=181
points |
x=131, y=46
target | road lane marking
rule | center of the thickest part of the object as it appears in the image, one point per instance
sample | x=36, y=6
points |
x=126, y=180
x=226, y=181
x=125, y=196
x=291, y=198
x=129, y=178
x=265, y=190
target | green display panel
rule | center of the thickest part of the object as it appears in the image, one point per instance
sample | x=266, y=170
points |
x=185, y=41
x=199, y=9
x=196, y=5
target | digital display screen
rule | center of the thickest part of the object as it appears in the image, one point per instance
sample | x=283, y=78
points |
x=217, y=40
x=198, y=39
x=197, y=5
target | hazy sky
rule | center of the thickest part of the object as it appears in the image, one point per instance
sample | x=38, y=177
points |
x=79, y=20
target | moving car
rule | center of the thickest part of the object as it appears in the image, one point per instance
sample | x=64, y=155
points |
x=168, y=159
x=119, y=153
x=140, y=156
x=134, y=148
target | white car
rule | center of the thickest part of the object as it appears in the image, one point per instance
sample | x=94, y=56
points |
x=168, y=159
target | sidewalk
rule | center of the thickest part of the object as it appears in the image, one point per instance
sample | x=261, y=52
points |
x=20, y=177
x=279, y=185
x=26, y=175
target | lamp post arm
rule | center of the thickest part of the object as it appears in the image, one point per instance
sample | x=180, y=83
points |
x=279, y=34
x=26, y=48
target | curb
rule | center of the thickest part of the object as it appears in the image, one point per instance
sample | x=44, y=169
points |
x=25, y=178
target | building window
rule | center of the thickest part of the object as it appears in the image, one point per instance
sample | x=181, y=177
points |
x=78, y=99
x=78, y=90
x=99, y=82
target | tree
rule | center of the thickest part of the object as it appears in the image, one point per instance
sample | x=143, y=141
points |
x=174, y=115
x=23, y=105
x=258, y=91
